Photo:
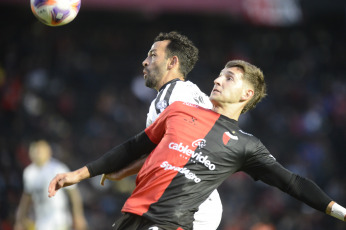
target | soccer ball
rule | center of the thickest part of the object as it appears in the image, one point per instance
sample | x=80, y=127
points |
x=55, y=12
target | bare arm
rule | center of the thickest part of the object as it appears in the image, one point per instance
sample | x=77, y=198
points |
x=66, y=179
x=132, y=169
x=114, y=160
x=22, y=211
x=77, y=209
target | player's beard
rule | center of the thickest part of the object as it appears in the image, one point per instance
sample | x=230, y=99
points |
x=151, y=82
x=153, y=78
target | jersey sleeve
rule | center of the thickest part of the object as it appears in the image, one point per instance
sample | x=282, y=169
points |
x=257, y=155
x=122, y=155
x=190, y=93
x=262, y=166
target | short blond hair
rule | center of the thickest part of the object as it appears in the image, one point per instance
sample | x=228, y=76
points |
x=255, y=77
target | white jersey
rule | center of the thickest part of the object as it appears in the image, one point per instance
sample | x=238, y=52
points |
x=209, y=215
x=176, y=90
x=50, y=213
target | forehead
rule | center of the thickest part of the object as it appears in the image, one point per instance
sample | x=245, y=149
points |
x=159, y=46
x=39, y=147
x=235, y=71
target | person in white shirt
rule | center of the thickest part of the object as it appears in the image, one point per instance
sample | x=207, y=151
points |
x=170, y=59
x=52, y=214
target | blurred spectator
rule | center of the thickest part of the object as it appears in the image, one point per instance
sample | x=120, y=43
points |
x=48, y=213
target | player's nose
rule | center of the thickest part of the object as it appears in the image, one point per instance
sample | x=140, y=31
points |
x=217, y=81
x=145, y=62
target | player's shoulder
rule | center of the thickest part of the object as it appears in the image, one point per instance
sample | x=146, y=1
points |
x=183, y=105
x=28, y=169
x=252, y=142
x=246, y=134
x=250, y=137
x=187, y=85
x=175, y=105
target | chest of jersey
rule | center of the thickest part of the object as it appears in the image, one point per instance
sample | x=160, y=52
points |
x=196, y=146
x=197, y=150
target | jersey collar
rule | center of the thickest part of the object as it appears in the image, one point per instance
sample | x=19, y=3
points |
x=169, y=82
x=235, y=122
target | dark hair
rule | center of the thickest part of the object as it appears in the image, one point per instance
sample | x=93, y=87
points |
x=182, y=47
x=255, y=77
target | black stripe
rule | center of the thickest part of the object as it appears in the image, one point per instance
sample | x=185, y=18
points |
x=167, y=96
x=157, y=101
x=169, y=82
x=169, y=92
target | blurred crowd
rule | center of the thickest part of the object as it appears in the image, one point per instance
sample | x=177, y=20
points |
x=80, y=86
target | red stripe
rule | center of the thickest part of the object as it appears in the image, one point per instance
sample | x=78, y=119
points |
x=152, y=180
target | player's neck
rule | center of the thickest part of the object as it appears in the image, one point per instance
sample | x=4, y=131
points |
x=231, y=111
x=168, y=78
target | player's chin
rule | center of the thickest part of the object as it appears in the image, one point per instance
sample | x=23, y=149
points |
x=213, y=100
x=213, y=97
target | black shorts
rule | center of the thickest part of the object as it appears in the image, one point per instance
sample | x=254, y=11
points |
x=134, y=222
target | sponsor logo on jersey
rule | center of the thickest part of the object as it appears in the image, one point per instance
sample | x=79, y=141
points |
x=271, y=156
x=187, y=173
x=198, y=99
x=194, y=156
x=227, y=136
x=245, y=133
x=161, y=104
x=153, y=228
x=190, y=104
x=200, y=143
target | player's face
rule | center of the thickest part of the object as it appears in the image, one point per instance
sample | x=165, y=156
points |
x=229, y=86
x=155, y=65
x=40, y=153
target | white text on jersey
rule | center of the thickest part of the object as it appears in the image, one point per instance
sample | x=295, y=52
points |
x=188, y=174
x=194, y=155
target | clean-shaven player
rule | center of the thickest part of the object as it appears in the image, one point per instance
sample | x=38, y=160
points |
x=192, y=151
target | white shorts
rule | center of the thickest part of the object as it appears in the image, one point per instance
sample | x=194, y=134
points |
x=209, y=215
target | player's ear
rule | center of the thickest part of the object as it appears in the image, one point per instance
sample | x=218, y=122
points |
x=247, y=94
x=173, y=61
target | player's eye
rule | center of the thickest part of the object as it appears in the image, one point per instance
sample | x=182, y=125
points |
x=229, y=78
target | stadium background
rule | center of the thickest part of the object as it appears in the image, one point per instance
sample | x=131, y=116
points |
x=80, y=86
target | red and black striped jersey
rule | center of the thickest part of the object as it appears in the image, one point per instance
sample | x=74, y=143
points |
x=192, y=151
x=197, y=149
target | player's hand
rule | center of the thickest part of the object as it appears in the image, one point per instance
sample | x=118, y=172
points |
x=66, y=179
x=60, y=181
